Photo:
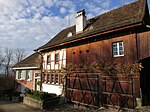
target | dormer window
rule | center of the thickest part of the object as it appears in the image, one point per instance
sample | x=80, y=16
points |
x=69, y=34
x=91, y=27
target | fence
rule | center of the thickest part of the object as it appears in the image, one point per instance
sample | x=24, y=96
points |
x=93, y=89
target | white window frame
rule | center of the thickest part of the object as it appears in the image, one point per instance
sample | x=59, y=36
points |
x=116, y=53
x=18, y=74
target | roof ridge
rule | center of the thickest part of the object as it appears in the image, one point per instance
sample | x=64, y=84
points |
x=127, y=14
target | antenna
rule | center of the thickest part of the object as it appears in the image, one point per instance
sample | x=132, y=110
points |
x=69, y=16
x=69, y=19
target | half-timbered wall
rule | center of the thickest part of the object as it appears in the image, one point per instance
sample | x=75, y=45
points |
x=52, y=77
x=52, y=64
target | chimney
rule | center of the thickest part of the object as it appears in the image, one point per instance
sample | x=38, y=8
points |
x=80, y=21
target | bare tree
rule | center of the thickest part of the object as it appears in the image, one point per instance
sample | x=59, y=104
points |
x=8, y=57
x=2, y=59
x=19, y=54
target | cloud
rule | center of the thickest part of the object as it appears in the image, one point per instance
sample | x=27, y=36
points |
x=94, y=10
x=63, y=10
x=29, y=24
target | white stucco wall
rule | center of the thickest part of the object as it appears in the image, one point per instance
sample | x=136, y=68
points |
x=57, y=89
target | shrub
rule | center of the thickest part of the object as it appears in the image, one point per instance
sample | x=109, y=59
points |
x=40, y=95
x=8, y=92
x=16, y=93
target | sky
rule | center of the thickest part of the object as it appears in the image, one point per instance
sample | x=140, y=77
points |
x=29, y=24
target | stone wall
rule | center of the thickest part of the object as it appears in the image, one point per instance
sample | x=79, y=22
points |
x=32, y=102
x=41, y=104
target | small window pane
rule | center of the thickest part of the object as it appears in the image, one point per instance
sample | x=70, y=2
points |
x=121, y=53
x=52, y=78
x=121, y=49
x=57, y=58
x=60, y=79
x=115, y=53
x=48, y=59
x=56, y=78
x=120, y=44
x=45, y=77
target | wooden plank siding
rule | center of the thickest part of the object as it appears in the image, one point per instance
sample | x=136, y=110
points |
x=143, y=45
x=101, y=51
x=123, y=94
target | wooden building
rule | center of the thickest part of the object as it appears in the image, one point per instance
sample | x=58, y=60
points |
x=119, y=36
x=28, y=73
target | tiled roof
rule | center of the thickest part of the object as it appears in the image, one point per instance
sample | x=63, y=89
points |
x=33, y=60
x=126, y=15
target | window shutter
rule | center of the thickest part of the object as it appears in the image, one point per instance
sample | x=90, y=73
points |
x=17, y=74
x=30, y=75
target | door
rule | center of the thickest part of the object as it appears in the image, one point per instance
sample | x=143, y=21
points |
x=145, y=81
x=37, y=84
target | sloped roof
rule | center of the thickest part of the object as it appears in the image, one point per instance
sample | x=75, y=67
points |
x=126, y=15
x=33, y=60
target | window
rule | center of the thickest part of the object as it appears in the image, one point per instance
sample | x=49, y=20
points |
x=48, y=59
x=24, y=75
x=37, y=74
x=69, y=34
x=91, y=27
x=60, y=79
x=28, y=75
x=56, y=58
x=52, y=78
x=49, y=78
x=56, y=78
x=118, y=49
x=18, y=74
x=45, y=78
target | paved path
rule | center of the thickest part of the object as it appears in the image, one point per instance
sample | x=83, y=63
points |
x=15, y=107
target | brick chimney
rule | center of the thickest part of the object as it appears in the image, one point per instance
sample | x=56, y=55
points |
x=80, y=21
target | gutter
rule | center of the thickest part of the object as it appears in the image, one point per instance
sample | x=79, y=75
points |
x=19, y=68
x=98, y=34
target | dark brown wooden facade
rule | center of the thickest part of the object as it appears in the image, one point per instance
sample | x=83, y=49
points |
x=101, y=51
x=143, y=45
x=117, y=91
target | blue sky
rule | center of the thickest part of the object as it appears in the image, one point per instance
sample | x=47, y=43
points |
x=28, y=24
